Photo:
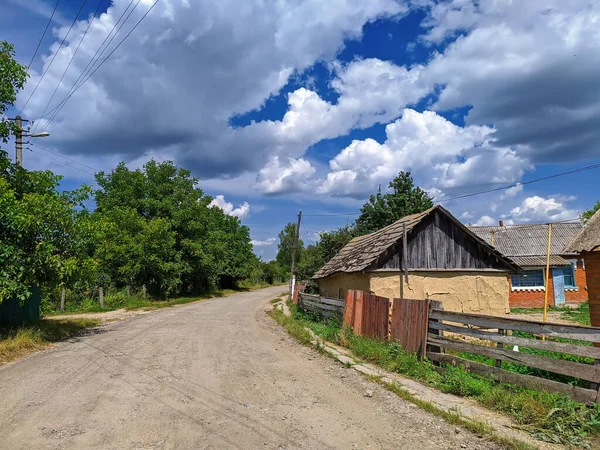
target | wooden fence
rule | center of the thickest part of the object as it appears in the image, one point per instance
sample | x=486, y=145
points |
x=321, y=306
x=490, y=336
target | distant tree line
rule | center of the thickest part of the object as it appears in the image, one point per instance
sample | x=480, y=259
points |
x=382, y=209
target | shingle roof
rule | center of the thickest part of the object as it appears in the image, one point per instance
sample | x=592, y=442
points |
x=588, y=238
x=362, y=251
x=539, y=261
x=529, y=240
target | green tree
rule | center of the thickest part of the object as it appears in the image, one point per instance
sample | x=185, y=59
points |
x=312, y=261
x=382, y=210
x=160, y=231
x=331, y=242
x=284, y=247
x=587, y=215
x=12, y=79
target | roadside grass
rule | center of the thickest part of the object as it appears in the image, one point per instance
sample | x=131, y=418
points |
x=294, y=327
x=120, y=300
x=549, y=417
x=479, y=428
x=20, y=341
x=579, y=314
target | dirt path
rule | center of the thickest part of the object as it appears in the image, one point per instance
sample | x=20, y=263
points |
x=214, y=374
x=105, y=317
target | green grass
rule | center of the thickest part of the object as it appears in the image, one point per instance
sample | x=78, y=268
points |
x=20, y=341
x=549, y=417
x=579, y=314
x=294, y=327
x=120, y=300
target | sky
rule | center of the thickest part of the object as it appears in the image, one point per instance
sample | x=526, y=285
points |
x=308, y=105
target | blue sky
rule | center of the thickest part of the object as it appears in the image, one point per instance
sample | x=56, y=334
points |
x=312, y=105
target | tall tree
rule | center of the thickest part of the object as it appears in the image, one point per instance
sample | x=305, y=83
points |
x=587, y=215
x=284, y=247
x=384, y=209
x=12, y=79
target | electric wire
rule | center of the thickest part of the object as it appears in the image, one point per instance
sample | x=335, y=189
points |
x=93, y=60
x=63, y=156
x=59, y=161
x=43, y=34
x=104, y=60
x=70, y=62
x=53, y=56
x=473, y=194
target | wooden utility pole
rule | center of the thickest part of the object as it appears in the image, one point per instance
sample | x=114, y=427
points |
x=19, y=141
x=294, y=251
x=101, y=296
x=547, y=272
x=404, y=278
x=63, y=295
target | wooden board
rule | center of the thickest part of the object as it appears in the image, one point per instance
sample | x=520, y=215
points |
x=349, y=309
x=573, y=369
x=589, y=334
x=375, y=316
x=409, y=324
x=572, y=349
x=578, y=393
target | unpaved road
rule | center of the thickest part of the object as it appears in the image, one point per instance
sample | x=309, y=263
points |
x=214, y=374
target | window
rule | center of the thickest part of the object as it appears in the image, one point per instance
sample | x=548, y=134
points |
x=569, y=277
x=528, y=279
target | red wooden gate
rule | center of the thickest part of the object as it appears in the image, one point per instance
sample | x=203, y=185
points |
x=409, y=324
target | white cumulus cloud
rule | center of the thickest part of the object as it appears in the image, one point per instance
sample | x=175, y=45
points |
x=241, y=211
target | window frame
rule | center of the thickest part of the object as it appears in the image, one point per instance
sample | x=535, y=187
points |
x=538, y=287
x=572, y=275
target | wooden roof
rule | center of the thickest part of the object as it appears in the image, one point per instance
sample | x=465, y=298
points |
x=588, y=238
x=362, y=251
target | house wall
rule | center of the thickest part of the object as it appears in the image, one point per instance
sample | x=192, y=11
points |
x=535, y=299
x=474, y=292
x=337, y=285
x=592, y=268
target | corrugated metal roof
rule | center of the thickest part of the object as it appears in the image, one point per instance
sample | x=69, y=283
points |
x=362, y=251
x=529, y=240
x=588, y=238
x=539, y=261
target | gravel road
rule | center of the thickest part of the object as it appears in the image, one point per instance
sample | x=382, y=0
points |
x=213, y=374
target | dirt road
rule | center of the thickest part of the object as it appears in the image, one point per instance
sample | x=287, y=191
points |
x=215, y=374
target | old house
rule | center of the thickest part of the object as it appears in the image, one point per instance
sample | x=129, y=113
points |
x=587, y=242
x=444, y=261
x=527, y=245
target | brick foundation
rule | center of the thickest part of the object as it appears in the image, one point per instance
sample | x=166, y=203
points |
x=535, y=299
x=592, y=268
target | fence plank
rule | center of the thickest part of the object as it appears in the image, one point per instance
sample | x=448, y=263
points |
x=560, y=366
x=560, y=347
x=409, y=324
x=349, y=308
x=532, y=382
x=589, y=334
x=375, y=316
x=319, y=305
x=333, y=302
x=358, y=312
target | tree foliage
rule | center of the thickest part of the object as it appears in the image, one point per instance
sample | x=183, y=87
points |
x=379, y=211
x=382, y=210
x=12, y=79
x=158, y=230
x=285, y=244
x=587, y=215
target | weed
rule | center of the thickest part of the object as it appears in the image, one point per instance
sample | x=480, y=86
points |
x=294, y=327
x=18, y=342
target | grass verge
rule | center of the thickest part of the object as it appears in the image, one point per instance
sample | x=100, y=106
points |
x=18, y=342
x=549, y=417
x=120, y=300
x=477, y=427
x=580, y=314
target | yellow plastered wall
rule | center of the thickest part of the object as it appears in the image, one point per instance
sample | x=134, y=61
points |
x=337, y=285
x=472, y=292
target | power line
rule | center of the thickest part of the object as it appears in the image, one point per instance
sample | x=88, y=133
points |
x=59, y=161
x=103, y=61
x=537, y=180
x=43, y=34
x=99, y=51
x=71, y=60
x=307, y=235
x=63, y=156
x=53, y=57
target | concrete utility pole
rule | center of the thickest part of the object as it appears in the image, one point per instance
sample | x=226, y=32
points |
x=294, y=249
x=19, y=141
x=19, y=138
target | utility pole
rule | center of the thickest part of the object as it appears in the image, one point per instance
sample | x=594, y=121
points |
x=19, y=138
x=19, y=141
x=294, y=250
